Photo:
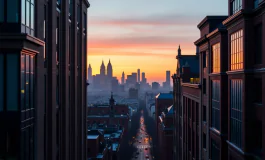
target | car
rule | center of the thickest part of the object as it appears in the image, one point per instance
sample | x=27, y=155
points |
x=146, y=156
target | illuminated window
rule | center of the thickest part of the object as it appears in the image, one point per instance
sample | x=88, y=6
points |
x=27, y=16
x=216, y=58
x=236, y=51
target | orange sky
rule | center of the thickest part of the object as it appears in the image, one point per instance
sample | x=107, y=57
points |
x=145, y=37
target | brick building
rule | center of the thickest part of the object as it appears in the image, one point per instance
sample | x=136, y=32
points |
x=232, y=93
x=112, y=114
x=165, y=134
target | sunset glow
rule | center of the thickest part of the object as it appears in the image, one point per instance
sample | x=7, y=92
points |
x=132, y=37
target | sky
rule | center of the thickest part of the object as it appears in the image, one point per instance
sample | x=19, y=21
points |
x=145, y=34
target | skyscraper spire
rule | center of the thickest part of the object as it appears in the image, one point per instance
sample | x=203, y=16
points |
x=179, y=51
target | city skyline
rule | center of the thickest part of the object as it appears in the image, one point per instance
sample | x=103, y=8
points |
x=92, y=69
x=131, y=39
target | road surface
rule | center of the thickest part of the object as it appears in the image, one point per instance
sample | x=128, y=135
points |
x=143, y=142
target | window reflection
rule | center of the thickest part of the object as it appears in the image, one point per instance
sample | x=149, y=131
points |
x=216, y=57
x=236, y=6
x=236, y=53
x=27, y=16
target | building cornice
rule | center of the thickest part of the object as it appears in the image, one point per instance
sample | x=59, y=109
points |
x=86, y=3
x=197, y=86
x=216, y=32
x=201, y=40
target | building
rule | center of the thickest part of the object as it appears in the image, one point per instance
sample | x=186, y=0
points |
x=110, y=114
x=102, y=69
x=231, y=69
x=138, y=75
x=155, y=85
x=89, y=74
x=165, y=134
x=123, y=78
x=133, y=93
x=143, y=78
x=114, y=85
x=43, y=83
x=109, y=71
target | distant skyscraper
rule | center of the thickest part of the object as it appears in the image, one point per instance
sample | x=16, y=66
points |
x=89, y=73
x=109, y=70
x=168, y=78
x=102, y=68
x=143, y=76
x=138, y=75
x=123, y=78
x=134, y=78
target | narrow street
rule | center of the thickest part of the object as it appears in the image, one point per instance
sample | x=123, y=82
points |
x=143, y=142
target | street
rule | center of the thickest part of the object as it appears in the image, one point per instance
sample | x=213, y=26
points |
x=143, y=142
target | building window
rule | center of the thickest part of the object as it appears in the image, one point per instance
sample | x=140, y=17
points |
x=236, y=112
x=70, y=8
x=27, y=72
x=12, y=81
x=258, y=44
x=236, y=52
x=204, y=56
x=216, y=58
x=204, y=85
x=27, y=16
x=204, y=141
x=12, y=11
x=216, y=104
x=78, y=16
x=257, y=90
x=204, y=113
x=215, y=150
x=2, y=10
x=1, y=82
x=85, y=23
x=236, y=6
x=256, y=3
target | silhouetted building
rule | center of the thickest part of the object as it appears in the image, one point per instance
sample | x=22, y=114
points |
x=114, y=85
x=89, y=74
x=143, y=78
x=109, y=71
x=138, y=75
x=133, y=93
x=43, y=67
x=168, y=77
x=155, y=85
x=102, y=69
x=123, y=78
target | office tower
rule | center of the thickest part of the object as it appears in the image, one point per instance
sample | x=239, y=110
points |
x=102, y=69
x=89, y=74
x=43, y=79
x=138, y=75
x=123, y=78
x=168, y=78
x=143, y=76
x=134, y=78
x=109, y=71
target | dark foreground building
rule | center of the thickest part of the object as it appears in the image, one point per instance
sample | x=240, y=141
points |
x=43, y=79
x=232, y=87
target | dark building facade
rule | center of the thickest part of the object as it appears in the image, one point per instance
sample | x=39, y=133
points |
x=232, y=92
x=43, y=72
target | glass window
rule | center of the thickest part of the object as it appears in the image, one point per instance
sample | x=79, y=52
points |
x=2, y=10
x=236, y=112
x=216, y=58
x=258, y=44
x=12, y=11
x=236, y=6
x=22, y=82
x=204, y=60
x=23, y=12
x=215, y=104
x=215, y=150
x=27, y=13
x=31, y=82
x=1, y=82
x=32, y=16
x=27, y=82
x=204, y=85
x=236, y=52
x=12, y=82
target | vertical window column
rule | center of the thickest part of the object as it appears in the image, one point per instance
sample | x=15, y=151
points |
x=236, y=51
x=215, y=104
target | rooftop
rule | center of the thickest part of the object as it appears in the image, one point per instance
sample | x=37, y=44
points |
x=92, y=136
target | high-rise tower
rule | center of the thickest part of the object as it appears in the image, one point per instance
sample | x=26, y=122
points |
x=123, y=78
x=168, y=78
x=109, y=70
x=89, y=73
x=138, y=75
x=102, y=69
